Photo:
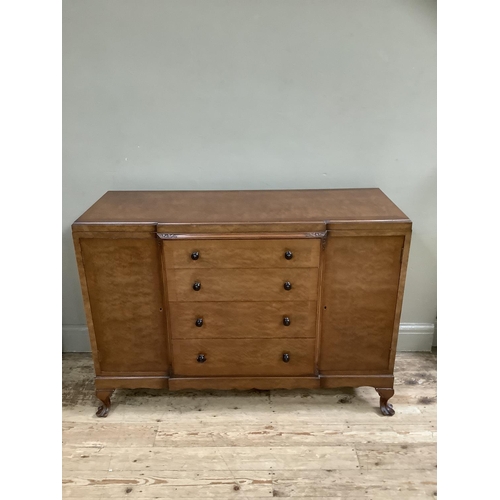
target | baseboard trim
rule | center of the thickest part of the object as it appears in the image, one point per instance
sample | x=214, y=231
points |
x=412, y=337
x=75, y=338
x=415, y=337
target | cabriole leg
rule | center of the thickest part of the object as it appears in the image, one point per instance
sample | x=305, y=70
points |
x=386, y=407
x=105, y=396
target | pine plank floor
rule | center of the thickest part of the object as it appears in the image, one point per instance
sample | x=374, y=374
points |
x=315, y=444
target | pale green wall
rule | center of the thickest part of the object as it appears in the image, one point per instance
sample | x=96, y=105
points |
x=240, y=94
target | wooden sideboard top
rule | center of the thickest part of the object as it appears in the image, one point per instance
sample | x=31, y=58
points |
x=242, y=207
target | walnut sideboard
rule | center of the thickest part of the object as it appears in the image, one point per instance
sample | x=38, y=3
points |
x=243, y=289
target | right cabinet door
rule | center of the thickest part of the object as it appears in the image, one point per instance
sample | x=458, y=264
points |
x=359, y=298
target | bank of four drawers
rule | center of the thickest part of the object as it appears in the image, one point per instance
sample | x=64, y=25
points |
x=261, y=294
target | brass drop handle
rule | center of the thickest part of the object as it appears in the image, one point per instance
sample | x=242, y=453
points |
x=199, y=322
x=288, y=255
x=195, y=255
x=201, y=358
x=286, y=321
x=196, y=286
x=286, y=357
x=287, y=285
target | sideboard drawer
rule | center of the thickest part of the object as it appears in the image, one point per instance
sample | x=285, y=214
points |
x=202, y=254
x=205, y=320
x=209, y=285
x=215, y=358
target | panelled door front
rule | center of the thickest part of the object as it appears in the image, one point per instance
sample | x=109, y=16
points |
x=360, y=292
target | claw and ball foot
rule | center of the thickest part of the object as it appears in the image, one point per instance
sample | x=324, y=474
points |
x=386, y=407
x=104, y=396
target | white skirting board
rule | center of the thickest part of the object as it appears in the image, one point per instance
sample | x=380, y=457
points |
x=412, y=337
x=415, y=337
x=75, y=338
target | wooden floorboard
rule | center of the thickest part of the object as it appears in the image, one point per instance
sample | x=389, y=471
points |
x=314, y=444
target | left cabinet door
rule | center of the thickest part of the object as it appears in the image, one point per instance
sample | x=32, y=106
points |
x=124, y=291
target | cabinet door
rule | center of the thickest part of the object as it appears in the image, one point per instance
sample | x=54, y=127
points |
x=360, y=292
x=123, y=278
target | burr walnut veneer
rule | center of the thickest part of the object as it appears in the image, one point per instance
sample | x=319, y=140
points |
x=243, y=289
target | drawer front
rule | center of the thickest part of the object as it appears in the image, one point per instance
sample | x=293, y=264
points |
x=259, y=358
x=203, y=254
x=241, y=284
x=232, y=320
